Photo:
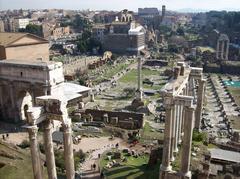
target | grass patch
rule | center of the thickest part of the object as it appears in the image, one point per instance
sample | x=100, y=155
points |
x=149, y=133
x=236, y=94
x=131, y=76
x=132, y=168
x=18, y=165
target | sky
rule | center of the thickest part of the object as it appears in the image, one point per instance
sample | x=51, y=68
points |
x=121, y=4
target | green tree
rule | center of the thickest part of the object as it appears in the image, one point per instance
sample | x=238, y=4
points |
x=33, y=29
x=180, y=31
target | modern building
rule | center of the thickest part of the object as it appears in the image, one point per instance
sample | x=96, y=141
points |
x=21, y=23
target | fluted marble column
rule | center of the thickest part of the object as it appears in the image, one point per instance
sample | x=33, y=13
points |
x=180, y=124
x=217, y=52
x=222, y=50
x=227, y=50
x=165, y=166
x=176, y=128
x=187, y=142
x=68, y=151
x=50, y=159
x=139, y=94
x=36, y=163
x=173, y=136
x=200, y=98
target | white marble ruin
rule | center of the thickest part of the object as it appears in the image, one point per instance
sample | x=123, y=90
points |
x=222, y=47
x=35, y=92
x=183, y=113
x=47, y=110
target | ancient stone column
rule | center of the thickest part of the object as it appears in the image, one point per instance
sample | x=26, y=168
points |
x=217, y=51
x=36, y=163
x=187, y=142
x=222, y=50
x=180, y=124
x=183, y=120
x=139, y=87
x=227, y=50
x=173, y=130
x=165, y=166
x=68, y=151
x=176, y=128
x=190, y=87
x=50, y=159
x=200, y=98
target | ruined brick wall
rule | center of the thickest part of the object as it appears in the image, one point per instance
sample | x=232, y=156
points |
x=124, y=121
x=116, y=43
x=156, y=63
x=28, y=52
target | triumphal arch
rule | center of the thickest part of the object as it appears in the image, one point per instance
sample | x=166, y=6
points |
x=183, y=101
x=22, y=81
x=35, y=92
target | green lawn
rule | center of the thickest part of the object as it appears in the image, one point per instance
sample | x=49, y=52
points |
x=110, y=71
x=131, y=76
x=149, y=133
x=236, y=94
x=133, y=168
x=15, y=163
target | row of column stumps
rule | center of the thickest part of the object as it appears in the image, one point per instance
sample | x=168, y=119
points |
x=50, y=159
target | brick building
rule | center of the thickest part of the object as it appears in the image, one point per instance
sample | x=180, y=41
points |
x=123, y=36
x=12, y=46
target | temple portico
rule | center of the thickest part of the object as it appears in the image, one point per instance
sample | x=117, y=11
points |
x=47, y=110
x=222, y=50
x=183, y=106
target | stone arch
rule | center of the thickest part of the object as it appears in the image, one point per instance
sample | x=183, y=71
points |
x=123, y=19
x=24, y=102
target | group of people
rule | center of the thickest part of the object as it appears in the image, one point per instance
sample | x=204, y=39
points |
x=5, y=136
